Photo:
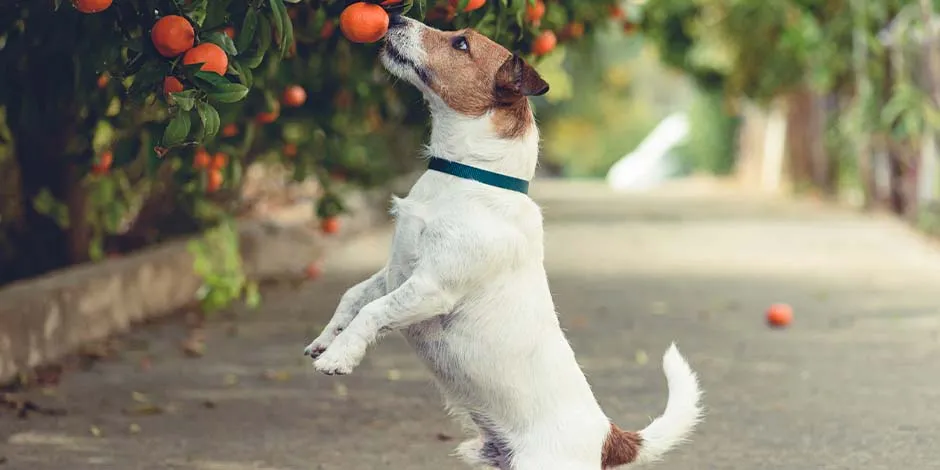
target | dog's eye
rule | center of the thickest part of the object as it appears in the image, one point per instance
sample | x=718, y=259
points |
x=460, y=43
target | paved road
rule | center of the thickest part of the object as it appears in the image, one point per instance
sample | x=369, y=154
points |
x=854, y=384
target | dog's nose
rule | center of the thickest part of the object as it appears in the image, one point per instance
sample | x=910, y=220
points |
x=395, y=20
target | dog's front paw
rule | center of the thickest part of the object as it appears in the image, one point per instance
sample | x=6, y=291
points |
x=339, y=360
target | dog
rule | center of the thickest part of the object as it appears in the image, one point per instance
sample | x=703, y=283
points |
x=465, y=280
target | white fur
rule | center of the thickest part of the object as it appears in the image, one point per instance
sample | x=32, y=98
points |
x=466, y=284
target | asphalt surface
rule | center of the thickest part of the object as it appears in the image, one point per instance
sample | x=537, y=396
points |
x=854, y=383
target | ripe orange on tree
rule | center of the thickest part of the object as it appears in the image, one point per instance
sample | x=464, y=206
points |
x=172, y=35
x=218, y=161
x=202, y=159
x=534, y=13
x=573, y=30
x=364, y=22
x=629, y=27
x=390, y=2
x=211, y=56
x=91, y=6
x=214, y=180
x=230, y=130
x=105, y=160
x=616, y=12
x=294, y=96
x=103, y=80
x=172, y=85
x=330, y=225
x=290, y=150
x=329, y=27
x=471, y=5
x=229, y=31
x=544, y=43
x=267, y=117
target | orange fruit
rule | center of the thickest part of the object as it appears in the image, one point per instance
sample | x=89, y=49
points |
x=294, y=96
x=267, y=117
x=363, y=22
x=202, y=159
x=779, y=315
x=230, y=130
x=544, y=43
x=105, y=160
x=229, y=31
x=218, y=161
x=629, y=27
x=391, y=2
x=290, y=150
x=212, y=58
x=616, y=12
x=329, y=27
x=330, y=225
x=574, y=30
x=472, y=5
x=91, y=6
x=214, y=180
x=172, y=85
x=534, y=13
x=103, y=80
x=172, y=35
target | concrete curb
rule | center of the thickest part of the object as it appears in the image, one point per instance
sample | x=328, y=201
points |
x=43, y=320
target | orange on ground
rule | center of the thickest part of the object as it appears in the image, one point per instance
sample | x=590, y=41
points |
x=779, y=315
x=290, y=150
x=105, y=160
x=364, y=22
x=212, y=58
x=330, y=225
x=472, y=5
x=172, y=85
x=103, y=80
x=313, y=271
x=534, y=13
x=214, y=180
x=267, y=117
x=544, y=43
x=172, y=35
x=202, y=159
x=230, y=130
x=218, y=161
x=229, y=31
x=294, y=96
x=91, y=6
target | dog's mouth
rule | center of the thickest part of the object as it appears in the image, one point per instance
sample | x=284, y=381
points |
x=393, y=55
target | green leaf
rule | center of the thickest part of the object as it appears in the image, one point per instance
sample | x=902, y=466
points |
x=148, y=77
x=177, y=129
x=196, y=11
x=282, y=25
x=243, y=73
x=209, y=117
x=230, y=93
x=210, y=82
x=222, y=40
x=247, y=33
x=185, y=99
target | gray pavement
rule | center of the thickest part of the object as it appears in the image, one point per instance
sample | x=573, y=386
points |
x=854, y=383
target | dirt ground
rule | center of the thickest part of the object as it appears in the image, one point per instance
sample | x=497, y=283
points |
x=854, y=383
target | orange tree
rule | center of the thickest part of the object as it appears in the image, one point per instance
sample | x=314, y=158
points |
x=125, y=123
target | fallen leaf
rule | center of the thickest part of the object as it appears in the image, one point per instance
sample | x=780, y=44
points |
x=641, y=357
x=208, y=404
x=340, y=390
x=230, y=380
x=277, y=375
x=140, y=397
x=444, y=437
x=134, y=428
x=144, y=409
x=194, y=348
x=394, y=375
x=95, y=431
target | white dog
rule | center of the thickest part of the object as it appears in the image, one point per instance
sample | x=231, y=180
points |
x=466, y=283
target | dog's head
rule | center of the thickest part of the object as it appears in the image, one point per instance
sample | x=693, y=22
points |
x=465, y=71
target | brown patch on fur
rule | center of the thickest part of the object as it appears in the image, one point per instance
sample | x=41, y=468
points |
x=485, y=77
x=620, y=448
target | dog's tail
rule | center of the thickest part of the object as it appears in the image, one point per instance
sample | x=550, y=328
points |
x=672, y=428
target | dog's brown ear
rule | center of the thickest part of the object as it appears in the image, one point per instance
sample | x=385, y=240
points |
x=516, y=79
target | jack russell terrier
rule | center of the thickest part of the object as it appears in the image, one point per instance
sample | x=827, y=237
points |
x=465, y=282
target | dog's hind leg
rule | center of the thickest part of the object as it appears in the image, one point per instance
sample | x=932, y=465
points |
x=353, y=300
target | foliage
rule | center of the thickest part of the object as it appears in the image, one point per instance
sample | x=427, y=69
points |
x=100, y=160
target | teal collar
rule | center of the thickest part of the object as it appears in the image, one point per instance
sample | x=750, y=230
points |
x=476, y=174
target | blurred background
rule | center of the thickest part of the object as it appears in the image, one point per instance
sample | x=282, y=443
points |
x=194, y=157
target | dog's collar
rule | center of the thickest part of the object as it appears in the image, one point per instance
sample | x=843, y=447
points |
x=477, y=174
